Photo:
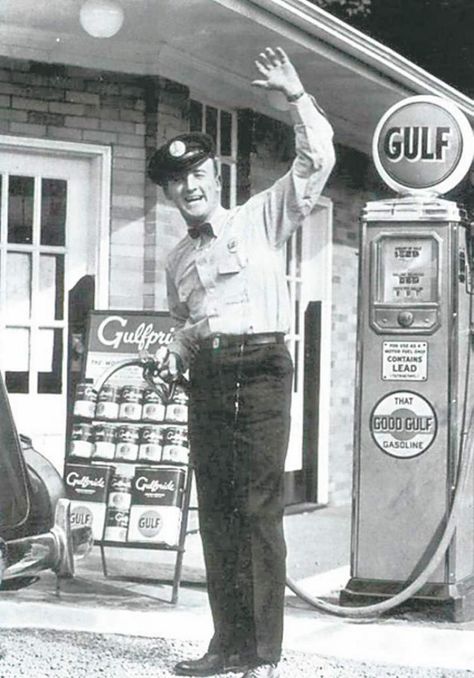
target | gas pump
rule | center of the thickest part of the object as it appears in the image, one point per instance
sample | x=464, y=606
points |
x=413, y=393
x=413, y=481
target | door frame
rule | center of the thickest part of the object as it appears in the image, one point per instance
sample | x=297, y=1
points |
x=98, y=159
x=312, y=481
x=325, y=256
x=101, y=181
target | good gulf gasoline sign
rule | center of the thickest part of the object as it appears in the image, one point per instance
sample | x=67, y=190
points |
x=423, y=144
x=403, y=424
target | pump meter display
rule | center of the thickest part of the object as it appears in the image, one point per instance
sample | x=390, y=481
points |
x=405, y=283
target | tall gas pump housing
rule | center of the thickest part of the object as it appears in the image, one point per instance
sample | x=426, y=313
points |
x=414, y=392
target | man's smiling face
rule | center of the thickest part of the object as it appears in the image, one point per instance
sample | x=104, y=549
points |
x=196, y=193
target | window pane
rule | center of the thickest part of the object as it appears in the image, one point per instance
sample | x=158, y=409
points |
x=16, y=358
x=211, y=122
x=226, y=133
x=195, y=116
x=18, y=282
x=53, y=211
x=51, y=287
x=225, y=178
x=50, y=343
x=20, y=209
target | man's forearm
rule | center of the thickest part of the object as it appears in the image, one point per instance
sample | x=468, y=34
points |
x=185, y=345
x=313, y=137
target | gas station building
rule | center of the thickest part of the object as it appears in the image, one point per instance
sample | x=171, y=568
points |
x=80, y=115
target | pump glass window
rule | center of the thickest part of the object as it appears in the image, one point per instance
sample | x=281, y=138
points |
x=408, y=270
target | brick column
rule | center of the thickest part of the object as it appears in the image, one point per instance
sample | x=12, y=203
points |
x=166, y=113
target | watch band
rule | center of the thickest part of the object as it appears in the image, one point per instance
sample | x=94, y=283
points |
x=294, y=97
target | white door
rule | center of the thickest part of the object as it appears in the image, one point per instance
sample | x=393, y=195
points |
x=309, y=270
x=47, y=242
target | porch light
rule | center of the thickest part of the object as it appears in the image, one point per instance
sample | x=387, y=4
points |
x=101, y=18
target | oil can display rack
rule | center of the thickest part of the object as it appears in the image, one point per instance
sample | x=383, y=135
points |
x=103, y=543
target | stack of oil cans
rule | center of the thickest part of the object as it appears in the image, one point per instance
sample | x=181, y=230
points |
x=138, y=434
x=119, y=500
x=130, y=424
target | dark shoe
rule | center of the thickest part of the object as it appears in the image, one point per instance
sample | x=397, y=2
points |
x=263, y=671
x=210, y=664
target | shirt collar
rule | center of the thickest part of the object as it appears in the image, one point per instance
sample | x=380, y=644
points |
x=217, y=221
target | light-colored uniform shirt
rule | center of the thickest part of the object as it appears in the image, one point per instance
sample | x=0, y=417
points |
x=234, y=283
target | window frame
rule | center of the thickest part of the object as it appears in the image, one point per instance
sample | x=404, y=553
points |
x=229, y=160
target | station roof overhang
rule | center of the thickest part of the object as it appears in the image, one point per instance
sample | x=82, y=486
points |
x=210, y=46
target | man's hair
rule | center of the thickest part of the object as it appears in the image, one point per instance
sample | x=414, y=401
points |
x=217, y=172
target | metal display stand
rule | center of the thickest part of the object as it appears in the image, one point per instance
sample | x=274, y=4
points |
x=180, y=548
x=149, y=368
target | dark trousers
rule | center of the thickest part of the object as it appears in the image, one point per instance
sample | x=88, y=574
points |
x=239, y=421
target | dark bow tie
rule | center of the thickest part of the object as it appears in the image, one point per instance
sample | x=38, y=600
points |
x=202, y=229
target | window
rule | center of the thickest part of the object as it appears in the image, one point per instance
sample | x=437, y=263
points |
x=221, y=125
x=32, y=259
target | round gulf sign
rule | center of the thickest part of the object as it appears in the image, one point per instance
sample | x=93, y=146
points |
x=403, y=424
x=423, y=144
x=81, y=516
x=150, y=523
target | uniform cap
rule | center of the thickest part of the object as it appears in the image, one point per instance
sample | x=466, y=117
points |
x=179, y=155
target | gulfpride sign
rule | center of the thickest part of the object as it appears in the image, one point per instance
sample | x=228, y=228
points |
x=423, y=144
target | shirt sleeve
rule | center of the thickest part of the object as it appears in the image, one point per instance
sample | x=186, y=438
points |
x=183, y=343
x=288, y=202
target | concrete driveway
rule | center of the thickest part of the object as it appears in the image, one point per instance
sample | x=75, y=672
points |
x=97, y=612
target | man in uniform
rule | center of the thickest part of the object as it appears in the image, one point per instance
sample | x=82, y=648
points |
x=228, y=294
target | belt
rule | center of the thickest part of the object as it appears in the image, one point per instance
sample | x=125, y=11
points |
x=216, y=341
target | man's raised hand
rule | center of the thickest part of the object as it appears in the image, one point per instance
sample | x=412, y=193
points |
x=278, y=72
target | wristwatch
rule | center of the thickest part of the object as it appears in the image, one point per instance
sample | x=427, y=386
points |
x=294, y=97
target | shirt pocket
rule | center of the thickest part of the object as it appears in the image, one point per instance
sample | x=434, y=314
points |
x=231, y=263
x=232, y=278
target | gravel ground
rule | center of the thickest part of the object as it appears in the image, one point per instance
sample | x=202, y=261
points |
x=45, y=654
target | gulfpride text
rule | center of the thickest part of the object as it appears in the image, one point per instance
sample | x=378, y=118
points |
x=112, y=331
